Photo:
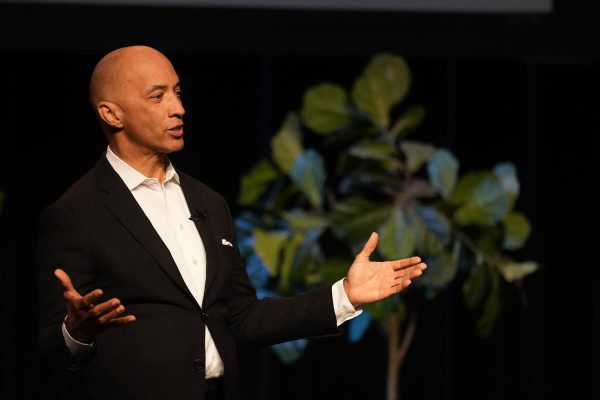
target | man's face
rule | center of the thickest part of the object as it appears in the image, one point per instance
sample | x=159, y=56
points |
x=149, y=98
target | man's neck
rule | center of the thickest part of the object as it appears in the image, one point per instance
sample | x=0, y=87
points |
x=149, y=164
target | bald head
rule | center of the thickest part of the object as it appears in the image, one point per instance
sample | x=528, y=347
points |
x=128, y=84
x=136, y=95
x=119, y=67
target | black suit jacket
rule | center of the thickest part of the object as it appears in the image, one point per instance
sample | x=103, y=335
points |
x=100, y=236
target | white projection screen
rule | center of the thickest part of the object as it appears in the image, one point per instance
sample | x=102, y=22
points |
x=435, y=6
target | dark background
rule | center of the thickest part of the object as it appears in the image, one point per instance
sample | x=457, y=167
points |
x=519, y=88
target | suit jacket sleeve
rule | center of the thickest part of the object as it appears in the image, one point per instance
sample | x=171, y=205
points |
x=274, y=319
x=60, y=245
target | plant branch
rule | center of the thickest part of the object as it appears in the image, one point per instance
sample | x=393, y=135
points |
x=398, y=346
x=392, y=326
x=466, y=240
x=408, y=338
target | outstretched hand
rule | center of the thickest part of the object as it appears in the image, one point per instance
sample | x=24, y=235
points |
x=85, y=319
x=369, y=281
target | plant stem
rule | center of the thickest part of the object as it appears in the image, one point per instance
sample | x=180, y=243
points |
x=398, y=346
x=473, y=247
x=393, y=368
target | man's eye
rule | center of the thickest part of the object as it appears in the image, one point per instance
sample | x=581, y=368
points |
x=178, y=93
x=157, y=96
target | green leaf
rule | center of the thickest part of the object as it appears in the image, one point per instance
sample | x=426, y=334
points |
x=382, y=309
x=303, y=221
x=475, y=286
x=290, y=248
x=335, y=268
x=245, y=223
x=311, y=277
x=353, y=181
x=516, y=230
x=507, y=173
x=255, y=182
x=492, y=308
x=286, y=144
x=396, y=237
x=416, y=154
x=383, y=84
x=431, y=230
x=442, y=169
x=486, y=204
x=257, y=271
x=377, y=151
x=308, y=259
x=280, y=195
x=514, y=271
x=441, y=269
x=491, y=197
x=466, y=186
x=268, y=246
x=371, y=150
x=356, y=218
x=325, y=108
x=422, y=243
x=308, y=172
x=436, y=222
x=408, y=121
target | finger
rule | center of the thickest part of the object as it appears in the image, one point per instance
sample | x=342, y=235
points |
x=104, y=308
x=369, y=247
x=407, y=263
x=418, y=267
x=401, y=284
x=90, y=299
x=413, y=273
x=115, y=313
x=410, y=273
x=115, y=322
x=64, y=280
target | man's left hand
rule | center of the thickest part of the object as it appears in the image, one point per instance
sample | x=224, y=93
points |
x=369, y=281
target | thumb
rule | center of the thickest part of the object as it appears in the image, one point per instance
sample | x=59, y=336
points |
x=64, y=280
x=370, y=246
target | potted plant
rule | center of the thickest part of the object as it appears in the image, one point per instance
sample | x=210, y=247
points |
x=307, y=209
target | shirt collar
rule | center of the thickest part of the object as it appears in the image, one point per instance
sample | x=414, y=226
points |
x=134, y=178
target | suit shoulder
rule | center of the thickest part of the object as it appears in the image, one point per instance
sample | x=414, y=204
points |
x=79, y=192
x=82, y=187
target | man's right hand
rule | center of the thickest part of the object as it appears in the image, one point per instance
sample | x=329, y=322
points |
x=85, y=319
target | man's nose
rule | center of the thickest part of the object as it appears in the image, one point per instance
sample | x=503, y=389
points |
x=176, y=107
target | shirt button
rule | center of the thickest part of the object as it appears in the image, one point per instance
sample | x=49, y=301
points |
x=195, y=261
x=181, y=226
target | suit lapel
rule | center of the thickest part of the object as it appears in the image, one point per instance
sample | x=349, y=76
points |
x=121, y=203
x=197, y=204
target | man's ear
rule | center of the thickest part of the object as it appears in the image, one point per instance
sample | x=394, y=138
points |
x=110, y=113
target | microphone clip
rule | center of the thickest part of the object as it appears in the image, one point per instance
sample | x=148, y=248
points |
x=200, y=216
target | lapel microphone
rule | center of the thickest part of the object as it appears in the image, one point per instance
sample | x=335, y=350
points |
x=201, y=215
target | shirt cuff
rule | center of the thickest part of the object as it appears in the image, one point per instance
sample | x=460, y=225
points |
x=75, y=347
x=342, y=307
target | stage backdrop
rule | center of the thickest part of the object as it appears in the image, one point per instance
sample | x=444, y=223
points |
x=528, y=101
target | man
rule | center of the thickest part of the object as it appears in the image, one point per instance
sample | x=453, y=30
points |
x=143, y=248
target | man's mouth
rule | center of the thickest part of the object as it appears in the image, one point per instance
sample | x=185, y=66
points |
x=177, y=130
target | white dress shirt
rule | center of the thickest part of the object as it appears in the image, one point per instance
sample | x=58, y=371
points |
x=165, y=206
